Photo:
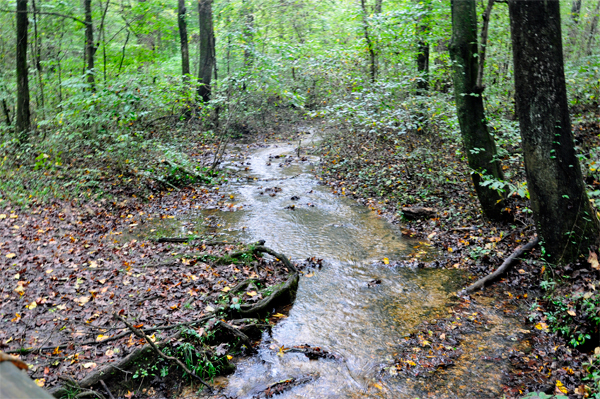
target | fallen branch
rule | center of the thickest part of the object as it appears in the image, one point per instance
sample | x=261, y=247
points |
x=160, y=353
x=503, y=268
x=25, y=351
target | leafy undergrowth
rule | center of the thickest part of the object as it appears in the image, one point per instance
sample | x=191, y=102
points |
x=68, y=268
x=388, y=171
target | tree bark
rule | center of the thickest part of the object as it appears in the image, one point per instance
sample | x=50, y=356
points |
x=23, y=120
x=593, y=29
x=183, y=39
x=372, y=62
x=207, y=44
x=90, y=49
x=483, y=45
x=423, y=50
x=564, y=218
x=478, y=144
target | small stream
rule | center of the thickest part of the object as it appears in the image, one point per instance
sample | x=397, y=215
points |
x=336, y=308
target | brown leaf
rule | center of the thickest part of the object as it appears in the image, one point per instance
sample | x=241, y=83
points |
x=593, y=259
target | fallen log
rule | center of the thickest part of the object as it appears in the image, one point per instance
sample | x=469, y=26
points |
x=502, y=269
x=418, y=212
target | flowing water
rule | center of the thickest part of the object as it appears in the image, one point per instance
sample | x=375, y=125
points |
x=336, y=308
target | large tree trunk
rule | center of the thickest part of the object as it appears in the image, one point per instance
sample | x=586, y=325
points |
x=23, y=122
x=183, y=39
x=90, y=49
x=478, y=144
x=207, y=45
x=562, y=212
x=423, y=49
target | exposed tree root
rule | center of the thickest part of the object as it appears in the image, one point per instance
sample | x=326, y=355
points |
x=502, y=269
x=140, y=334
x=283, y=294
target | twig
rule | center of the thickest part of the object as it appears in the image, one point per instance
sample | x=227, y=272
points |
x=110, y=395
x=160, y=353
x=503, y=268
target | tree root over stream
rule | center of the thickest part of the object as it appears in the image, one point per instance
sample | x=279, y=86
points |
x=214, y=336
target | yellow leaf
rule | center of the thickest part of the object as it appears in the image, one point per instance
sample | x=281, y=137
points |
x=541, y=326
x=450, y=249
x=109, y=353
x=100, y=338
x=93, y=264
x=40, y=382
x=226, y=289
x=89, y=365
x=229, y=357
x=378, y=386
x=571, y=313
x=426, y=343
x=279, y=315
x=3, y=216
x=561, y=387
x=13, y=216
x=251, y=293
x=386, y=261
x=11, y=255
x=32, y=305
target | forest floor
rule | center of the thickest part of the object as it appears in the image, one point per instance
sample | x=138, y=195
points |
x=560, y=350
x=70, y=266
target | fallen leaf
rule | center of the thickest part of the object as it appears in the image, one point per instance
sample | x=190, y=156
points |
x=89, y=365
x=571, y=313
x=209, y=309
x=226, y=289
x=3, y=216
x=93, y=264
x=11, y=255
x=309, y=275
x=378, y=386
x=32, y=305
x=279, y=315
x=593, y=259
x=40, y=382
x=386, y=261
x=542, y=326
x=560, y=388
x=251, y=293
x=129, y=394
x=100, y=338
x=82, y=300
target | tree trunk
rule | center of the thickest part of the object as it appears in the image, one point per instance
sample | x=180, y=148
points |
x=478, y=144
x=483, y=45
x=37, y=54
x=248, y=33
x=89, y=44
x=593, y=29
x=372, y=62
x=561, y=209
x=207, y=43
x=183, y=39
x=423, y=49
x=23, y=123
